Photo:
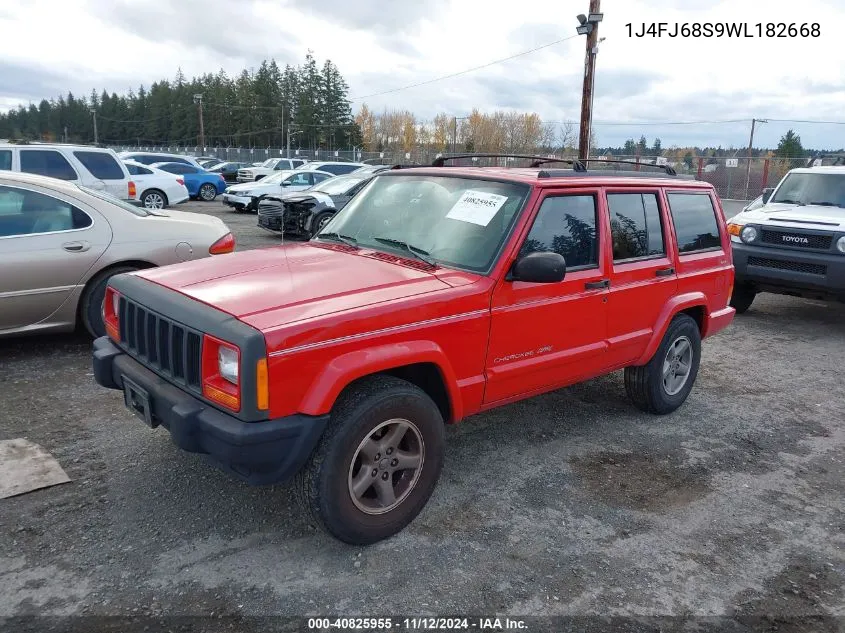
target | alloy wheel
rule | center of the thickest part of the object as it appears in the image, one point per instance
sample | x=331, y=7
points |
x=677, y=365
x=153, y=201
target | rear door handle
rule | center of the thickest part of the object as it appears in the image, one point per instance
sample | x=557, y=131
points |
x=595, y=285
x=76, y=247
x=665, y=272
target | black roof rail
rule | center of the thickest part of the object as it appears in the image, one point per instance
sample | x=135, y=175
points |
x=666, y=168
x=616, y=173
x=537, y=160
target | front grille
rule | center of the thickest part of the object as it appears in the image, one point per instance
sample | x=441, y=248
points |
x=791, y=238
x=163, y=345
x=797, y=267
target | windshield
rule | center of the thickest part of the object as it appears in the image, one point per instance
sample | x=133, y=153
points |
x=275, y=178
x=338, y=186
x=456, y=222
x=805, y=188
x=139, y=211
x=270, y=162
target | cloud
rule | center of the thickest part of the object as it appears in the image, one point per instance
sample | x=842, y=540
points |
x=374, y=16
x=29, y=82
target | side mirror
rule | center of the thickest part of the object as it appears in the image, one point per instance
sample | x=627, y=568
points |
x=285, y=184
x=767, y=193
x=539, y=268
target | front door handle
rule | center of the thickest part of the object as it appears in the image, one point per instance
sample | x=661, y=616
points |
x=76, y=247
x=665, y=272
x=595, y=285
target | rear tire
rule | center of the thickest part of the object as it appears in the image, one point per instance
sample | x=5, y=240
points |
x=154, y=199
x=207, y=192
x=663, y=384
x=742, y=298
x=377, y=463
x=91, y=303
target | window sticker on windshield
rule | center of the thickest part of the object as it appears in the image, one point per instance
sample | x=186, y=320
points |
x=477, y=207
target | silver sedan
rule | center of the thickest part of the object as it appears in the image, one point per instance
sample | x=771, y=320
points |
x=60, y=243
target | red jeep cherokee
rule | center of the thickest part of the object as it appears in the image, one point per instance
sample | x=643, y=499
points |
x=436, y=293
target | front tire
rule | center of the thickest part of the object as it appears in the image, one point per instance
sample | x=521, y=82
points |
x=742, y=298
x=663, y=384
x=207, y=192
x=91, y=303
x=377, y=462
x=320, y=221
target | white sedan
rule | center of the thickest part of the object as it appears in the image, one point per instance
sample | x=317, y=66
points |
x=243, y=197
x=156, y=189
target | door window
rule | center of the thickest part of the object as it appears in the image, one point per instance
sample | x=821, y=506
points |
x=299, y=180
x=566, y=225
x=635, y=226
x=5, y=159
x=102, y=165
x=46, y=162
x=24, y=212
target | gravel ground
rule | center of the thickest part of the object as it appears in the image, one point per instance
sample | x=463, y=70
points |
x=572, y=503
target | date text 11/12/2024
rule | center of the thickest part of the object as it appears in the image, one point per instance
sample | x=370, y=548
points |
x=418, y=624
x=724, y=29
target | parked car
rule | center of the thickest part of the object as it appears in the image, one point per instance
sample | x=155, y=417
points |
x=251, y=174
x=307, y=212
x=245, y=196
x=151, y=158
x=337, y=168
x=94, y=167
x=433, y=295
x=201, y=184
x=156, y=189
x=207, y=161
x=794, y=242
x=61, y=242
x=228, y=170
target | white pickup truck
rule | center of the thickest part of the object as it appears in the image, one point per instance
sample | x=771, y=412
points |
x=251, y=174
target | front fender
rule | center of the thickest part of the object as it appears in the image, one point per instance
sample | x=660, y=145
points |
x=673, y=306
x=346, y=368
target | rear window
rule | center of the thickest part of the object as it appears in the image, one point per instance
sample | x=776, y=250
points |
x=695, y=222
x=339, y=169
x=46, y=162
x=102, y=165
x=6, y=159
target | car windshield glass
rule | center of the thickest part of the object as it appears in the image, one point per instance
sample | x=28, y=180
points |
x=274, y=178
x=806, y=188
x=453, y=221
x=139, y=211
x=270, y=162
x=338, y=186
x=213, y=166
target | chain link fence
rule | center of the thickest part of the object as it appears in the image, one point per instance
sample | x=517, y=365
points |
x=739, y=178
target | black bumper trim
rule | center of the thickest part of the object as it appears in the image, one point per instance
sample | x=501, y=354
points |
x=259, y=453
x=770, y=279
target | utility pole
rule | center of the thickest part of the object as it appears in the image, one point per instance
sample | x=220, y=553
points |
x=750, y=149
x=198, y=101
x=94, y=112
x=590, y=28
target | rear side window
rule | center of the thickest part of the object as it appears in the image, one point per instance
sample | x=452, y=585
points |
x=102, y=165
x=179, y=168
x=135, y=170
x=695, y=222
x=566, y=225
x=5, y=159
x=46, y=162
x=635, y=225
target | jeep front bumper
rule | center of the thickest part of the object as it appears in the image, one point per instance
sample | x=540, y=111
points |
x=259, y=453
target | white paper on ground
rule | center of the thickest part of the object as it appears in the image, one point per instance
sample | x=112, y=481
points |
x=477, y=207
x=25, y=466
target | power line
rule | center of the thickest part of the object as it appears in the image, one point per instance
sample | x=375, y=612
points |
x=463, y=72
x=808, y=121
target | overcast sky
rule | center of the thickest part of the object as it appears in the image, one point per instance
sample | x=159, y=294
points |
x=51, y=46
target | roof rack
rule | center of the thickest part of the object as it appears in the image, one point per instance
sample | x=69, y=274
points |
x=578, y=164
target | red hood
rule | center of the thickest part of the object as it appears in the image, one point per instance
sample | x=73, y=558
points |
x=295, y=282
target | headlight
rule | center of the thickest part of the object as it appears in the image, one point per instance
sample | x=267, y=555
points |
x=840, y=244
x=748, y=234
x=227, y=364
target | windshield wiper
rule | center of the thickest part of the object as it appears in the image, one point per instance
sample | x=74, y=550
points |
x=417, y=252
x=825, y=204
x=338, y=237
x=788, y=201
